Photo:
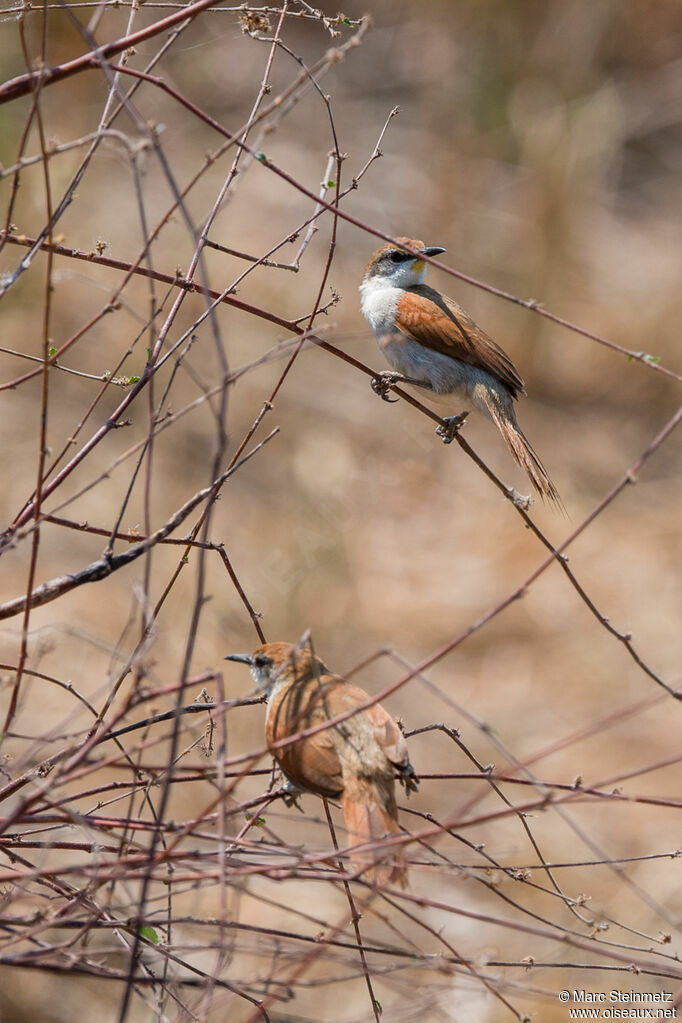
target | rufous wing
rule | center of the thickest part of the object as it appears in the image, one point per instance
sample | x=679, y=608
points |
x=439, y=323
x=311, y=762
x=386, y=732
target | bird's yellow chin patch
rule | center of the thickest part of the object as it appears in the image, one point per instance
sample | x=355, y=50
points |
x=419, y=266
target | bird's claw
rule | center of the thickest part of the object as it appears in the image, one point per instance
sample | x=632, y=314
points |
x=288, y=789
x=451, y=426
x=383, y=382
x=291, y=794
x=408, y=779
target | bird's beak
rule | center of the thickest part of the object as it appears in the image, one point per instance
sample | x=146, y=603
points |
x=242, y=658
x=433, y=250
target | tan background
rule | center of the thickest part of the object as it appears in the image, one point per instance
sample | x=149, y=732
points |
x=540, y=143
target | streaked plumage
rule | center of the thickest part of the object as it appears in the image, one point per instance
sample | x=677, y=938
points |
x=355, y=760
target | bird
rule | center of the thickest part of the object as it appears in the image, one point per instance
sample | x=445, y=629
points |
x=354, y=760
x=433, y=344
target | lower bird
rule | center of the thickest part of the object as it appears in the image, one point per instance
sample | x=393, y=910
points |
x=355, y=760
x=434, y=345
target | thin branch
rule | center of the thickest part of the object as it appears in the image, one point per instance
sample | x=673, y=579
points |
x=103, y=567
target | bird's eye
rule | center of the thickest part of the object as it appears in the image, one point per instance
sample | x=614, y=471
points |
x=399, y=257
x=261, y=661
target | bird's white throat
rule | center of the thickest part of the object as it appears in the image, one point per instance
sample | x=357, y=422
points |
x=379, y=302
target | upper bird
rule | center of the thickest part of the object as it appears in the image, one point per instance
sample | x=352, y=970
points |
x=432, y=343
x=355, y=760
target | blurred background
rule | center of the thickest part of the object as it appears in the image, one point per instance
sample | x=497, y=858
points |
x=541, y=144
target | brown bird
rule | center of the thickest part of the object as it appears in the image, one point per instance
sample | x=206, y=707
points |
x=355, y=760
x=434, y=345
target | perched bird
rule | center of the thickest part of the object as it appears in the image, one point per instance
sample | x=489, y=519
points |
x=354, y=761
x=433, y=344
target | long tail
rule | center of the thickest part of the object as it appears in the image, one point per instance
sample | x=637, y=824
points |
x=503, y=415
x=370, y=813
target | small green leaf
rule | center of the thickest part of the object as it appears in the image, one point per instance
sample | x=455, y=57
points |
x=150, y=934
x=133, y=380
x=261, y=157
x=52, y=351
x=378, y=1006
x=331, y=184
x=652, y=358
x=346, y=21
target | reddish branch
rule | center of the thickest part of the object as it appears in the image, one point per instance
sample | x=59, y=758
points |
x=104, y=567
x=22, y=85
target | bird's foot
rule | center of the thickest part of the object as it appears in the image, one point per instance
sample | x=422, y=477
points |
x=408, y=779
x=291, y=794
x=451, y=426
x=288, y=789
x=382, y=383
